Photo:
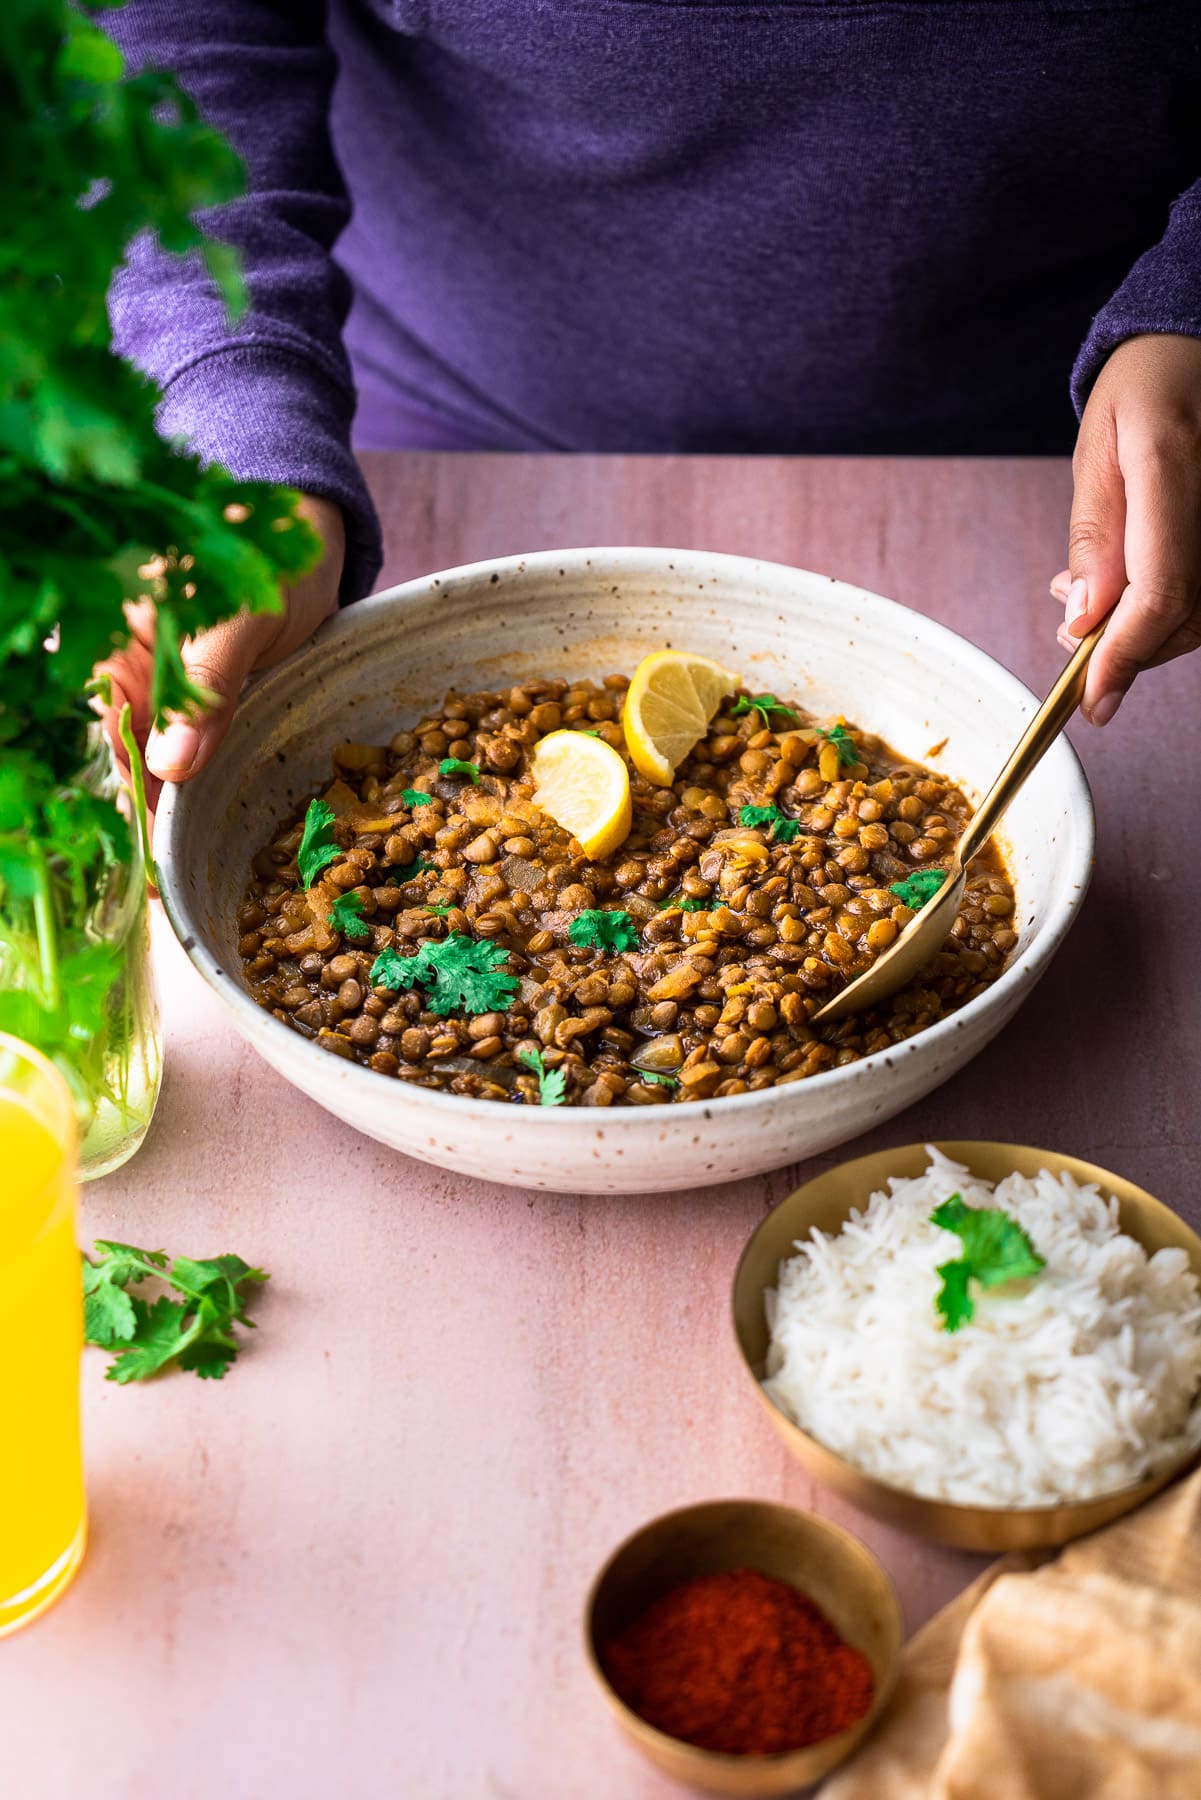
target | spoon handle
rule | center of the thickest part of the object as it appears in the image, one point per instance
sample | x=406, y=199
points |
x=1035, y=741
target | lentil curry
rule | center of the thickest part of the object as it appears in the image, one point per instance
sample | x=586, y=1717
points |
x=746, y=894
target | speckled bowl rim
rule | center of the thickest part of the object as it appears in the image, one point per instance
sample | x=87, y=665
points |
x=1025, y=970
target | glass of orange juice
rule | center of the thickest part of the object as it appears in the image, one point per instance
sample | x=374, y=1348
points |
x=43, y=1516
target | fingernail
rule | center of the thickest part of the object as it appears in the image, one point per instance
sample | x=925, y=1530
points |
x=172, y=752
x=1075, y=607
x=1065, y=638
x=1059, y=588
x=1102, y=711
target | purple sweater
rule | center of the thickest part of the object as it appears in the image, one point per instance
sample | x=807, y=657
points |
x=784, y=225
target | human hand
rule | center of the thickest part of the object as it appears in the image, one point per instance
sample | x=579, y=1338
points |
x=221, y=659
x=1135, y=538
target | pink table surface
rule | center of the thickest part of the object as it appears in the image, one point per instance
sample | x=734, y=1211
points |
x=356, y=1567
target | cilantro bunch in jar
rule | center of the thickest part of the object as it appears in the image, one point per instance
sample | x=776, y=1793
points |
x=97, y=514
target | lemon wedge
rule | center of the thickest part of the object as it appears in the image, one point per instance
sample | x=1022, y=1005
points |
x=671, y=699
x=584, y=785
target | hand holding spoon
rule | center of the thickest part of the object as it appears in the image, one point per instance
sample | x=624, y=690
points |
x=926, y=932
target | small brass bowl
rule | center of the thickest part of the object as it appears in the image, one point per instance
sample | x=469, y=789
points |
x=836, y=1571
x=826, y=1203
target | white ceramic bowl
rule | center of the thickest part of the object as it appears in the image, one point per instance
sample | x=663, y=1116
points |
x=838, y=649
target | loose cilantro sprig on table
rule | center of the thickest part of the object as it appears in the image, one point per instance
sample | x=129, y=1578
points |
x=346, y=916
x=454, y=765
x=843, y=742
x=764, y=705
x=783, y=829
x=995, y=1250
x=918, y=888
x=459, y=974
x=318, y=845
x=599, y=930
x=552, y=1083
x=195, y=1330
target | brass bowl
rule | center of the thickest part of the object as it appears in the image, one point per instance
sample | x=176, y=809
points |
x=826, y=1203
x=837, y=1572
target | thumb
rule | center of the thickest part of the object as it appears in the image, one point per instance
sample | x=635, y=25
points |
x=220, y=661
x=1096, y=554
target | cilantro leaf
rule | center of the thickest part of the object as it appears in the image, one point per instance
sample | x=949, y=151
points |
x=108, y=1315
x=784, y=830
x=954, y=1303
x=195, y=1329
x=318, y=846
x=764, y=705
x=918, y=888
x=454, y=765
x=403, y=872
x=346, y=916
x=459, y=972
x=108, y=1311
x=468, y=974
x=687, y=904
x=551, y=1082
x=658, y=1078
x=995, y=1250
x=414, y=797
x=207, y=1359
x=393, y=971
x=439, y=908
x=600, y=930
x=843, y=742
x=159, y=1338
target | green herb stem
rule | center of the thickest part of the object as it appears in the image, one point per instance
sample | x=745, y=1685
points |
x=138, y=783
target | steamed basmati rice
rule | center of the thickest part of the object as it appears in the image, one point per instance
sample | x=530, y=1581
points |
x=1081, y=1381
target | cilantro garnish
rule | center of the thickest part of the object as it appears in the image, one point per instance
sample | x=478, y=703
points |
x=414, y=797
x=398, y=872
x=919, y=887
x=687, y=904
x=195, y=1331
x=653, y=1075
x=439, y=908
x=393, y=971
x=764, y=705
x=995, y=1250
x=843, y=742
x=459, y=974
x=346, y=916
x=783, y=829
x=600, y=930
x=551, y=1082
x=318, y=846
x=454, y=765
x=589, y=733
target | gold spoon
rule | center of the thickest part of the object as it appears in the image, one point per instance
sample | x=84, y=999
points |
x=927, y=931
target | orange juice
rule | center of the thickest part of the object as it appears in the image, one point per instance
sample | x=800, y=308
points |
x=42, y=1511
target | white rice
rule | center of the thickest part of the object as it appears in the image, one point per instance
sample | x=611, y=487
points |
x=1081, y=1381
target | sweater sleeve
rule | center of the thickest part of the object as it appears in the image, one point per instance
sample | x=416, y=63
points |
x=271, y=397
x=1162, y=293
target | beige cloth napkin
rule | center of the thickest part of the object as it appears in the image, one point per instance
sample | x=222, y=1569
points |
x=1076, y=1680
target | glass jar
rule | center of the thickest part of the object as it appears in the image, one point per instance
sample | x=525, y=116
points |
x=78, y=950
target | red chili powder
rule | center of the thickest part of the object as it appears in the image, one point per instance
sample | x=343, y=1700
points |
x=739, y=1662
